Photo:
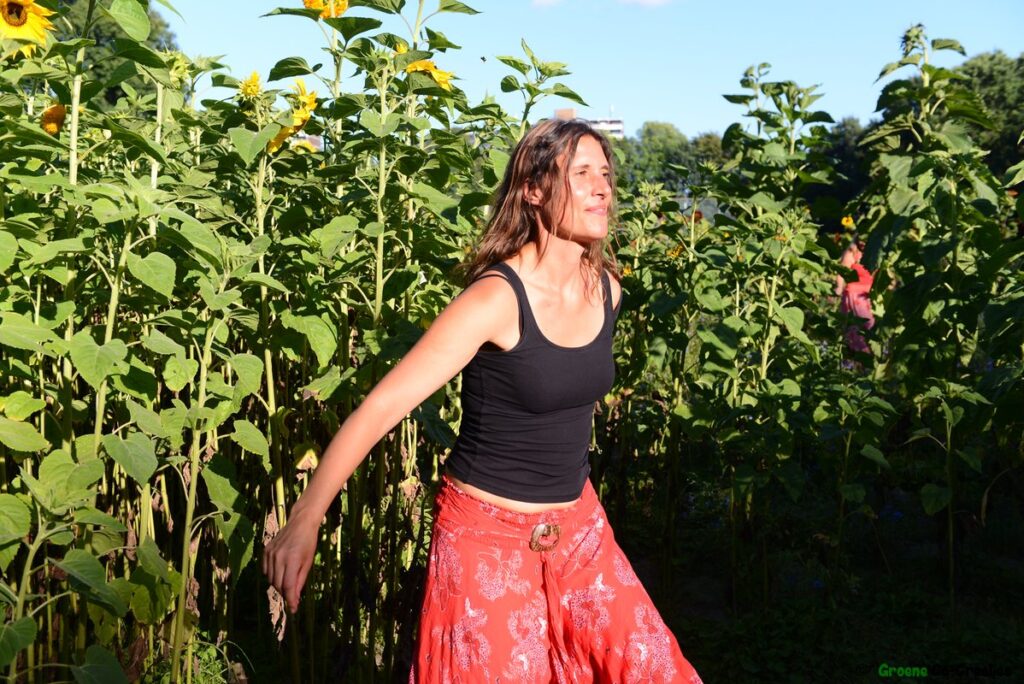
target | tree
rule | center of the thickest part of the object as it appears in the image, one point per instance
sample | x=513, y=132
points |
x=707, y=148
x=652, y=153
x=105, y=32
x=662, y=154
x=999, y=81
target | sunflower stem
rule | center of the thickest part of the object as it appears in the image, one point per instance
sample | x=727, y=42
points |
x=187, y=562
x=154, y=165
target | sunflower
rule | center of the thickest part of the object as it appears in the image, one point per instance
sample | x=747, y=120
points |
x=52, y=119
x=442, y=78
x=24, y=21
x=250, y=87
x=327, y=8
x=302, y=110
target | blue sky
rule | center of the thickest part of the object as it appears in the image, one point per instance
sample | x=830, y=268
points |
x=640, y=60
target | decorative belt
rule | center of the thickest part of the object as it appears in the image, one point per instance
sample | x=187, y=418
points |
x=544, y=531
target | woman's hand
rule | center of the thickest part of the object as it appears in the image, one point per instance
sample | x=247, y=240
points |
x=289, y=556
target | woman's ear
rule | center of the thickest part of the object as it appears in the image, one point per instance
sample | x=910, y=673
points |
x=532, y=194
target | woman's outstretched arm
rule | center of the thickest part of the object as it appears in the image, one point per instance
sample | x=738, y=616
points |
x=470, y=320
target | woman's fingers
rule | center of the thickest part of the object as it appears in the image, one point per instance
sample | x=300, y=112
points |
x=286, y=563
x=291, y=587
x=276, y=565
x=300, y=581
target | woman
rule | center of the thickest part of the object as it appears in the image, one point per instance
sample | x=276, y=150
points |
x=525, y=581
x=856, y=297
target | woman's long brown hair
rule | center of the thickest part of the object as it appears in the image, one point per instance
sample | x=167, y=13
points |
x=541, y=160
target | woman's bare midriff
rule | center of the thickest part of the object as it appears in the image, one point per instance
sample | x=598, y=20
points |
x=510, y=504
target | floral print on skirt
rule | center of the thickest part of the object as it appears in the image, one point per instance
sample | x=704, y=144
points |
x=536, y=597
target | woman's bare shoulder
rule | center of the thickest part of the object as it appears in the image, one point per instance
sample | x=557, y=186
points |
x=489, y=293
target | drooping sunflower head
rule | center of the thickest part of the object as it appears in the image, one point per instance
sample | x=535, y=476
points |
x=442, y=78
x=52, y=119
x=26, y=22
x=421, y=65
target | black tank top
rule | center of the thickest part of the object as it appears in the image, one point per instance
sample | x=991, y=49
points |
x=527, y=411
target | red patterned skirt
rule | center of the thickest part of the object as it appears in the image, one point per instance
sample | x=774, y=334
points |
x=538, y=597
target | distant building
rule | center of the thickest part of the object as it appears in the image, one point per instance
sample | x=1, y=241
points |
x=613, y=128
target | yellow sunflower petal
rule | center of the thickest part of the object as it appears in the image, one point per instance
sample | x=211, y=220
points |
x=443, y=78
x=421, y=65
x=306, y=99
x=300, y=117
x=327, y=8
x=282, y=135
x=250, y=87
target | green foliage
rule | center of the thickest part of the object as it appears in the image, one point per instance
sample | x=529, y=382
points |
x=105, y=74
x=191, y=303
x=661, y=154
x=998, y=80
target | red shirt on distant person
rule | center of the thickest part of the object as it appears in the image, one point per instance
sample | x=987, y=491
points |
x=856, y=298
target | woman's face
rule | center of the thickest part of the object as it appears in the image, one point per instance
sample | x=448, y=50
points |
x=590, y=193
x=851, y=256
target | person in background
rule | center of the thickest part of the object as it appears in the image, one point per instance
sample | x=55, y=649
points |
x=856, y=297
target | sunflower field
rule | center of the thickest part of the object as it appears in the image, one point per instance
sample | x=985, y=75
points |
x=195, y=294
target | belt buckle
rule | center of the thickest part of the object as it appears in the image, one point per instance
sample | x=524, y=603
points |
x=544, y=530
